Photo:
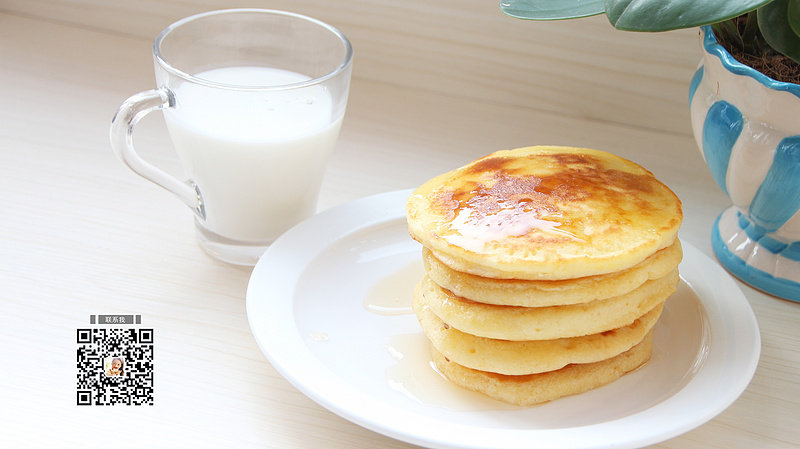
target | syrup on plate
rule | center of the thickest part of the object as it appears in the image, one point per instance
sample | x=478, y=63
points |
x=414, y=374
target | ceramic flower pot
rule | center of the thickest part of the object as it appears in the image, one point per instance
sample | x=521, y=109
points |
x=747, y=127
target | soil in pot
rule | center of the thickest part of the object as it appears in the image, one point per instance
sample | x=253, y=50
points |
x=769, y=62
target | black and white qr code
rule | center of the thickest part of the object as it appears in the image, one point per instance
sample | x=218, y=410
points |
x=115, y=366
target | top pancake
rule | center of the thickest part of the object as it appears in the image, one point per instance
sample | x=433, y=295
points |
x=544, y=212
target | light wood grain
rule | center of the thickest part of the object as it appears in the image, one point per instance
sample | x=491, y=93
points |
x=582, y=68
x=436, y=84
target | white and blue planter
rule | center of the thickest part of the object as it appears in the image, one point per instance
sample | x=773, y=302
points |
x=747, y=127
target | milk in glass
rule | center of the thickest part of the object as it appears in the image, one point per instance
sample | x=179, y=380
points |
x=256, y=157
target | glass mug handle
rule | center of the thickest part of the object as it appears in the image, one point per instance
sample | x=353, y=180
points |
x=130, y=112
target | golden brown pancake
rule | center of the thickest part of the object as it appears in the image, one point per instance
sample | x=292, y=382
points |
x=534, y=356
x=527, y=293
x=533, y=389
x=544, y=212
x=544, y=323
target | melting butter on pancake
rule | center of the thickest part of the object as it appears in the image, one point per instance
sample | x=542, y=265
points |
x=534, y=389
x=535, y=356
x=528, y=293
x=544, y=212
x=544, y=323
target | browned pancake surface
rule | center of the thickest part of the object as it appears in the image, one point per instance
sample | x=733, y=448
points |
x=544, y=213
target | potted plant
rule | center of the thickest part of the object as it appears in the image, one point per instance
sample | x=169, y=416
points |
x=745, y=110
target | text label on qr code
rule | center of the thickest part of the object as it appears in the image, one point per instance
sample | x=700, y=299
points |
x=115, y=366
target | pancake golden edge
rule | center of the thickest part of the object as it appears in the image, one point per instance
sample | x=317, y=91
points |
x=544, y=212
x=531, y=389
x=544, y=323
x=528, y=357
x=527, y=293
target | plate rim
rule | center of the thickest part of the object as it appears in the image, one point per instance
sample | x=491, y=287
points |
x=323, y=387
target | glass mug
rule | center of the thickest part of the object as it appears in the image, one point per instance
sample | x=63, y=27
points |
x=253, y=101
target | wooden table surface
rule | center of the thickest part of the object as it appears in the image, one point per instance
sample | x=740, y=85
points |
x=435, y=85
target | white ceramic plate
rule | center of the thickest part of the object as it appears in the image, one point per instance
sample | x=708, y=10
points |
x=328, y=304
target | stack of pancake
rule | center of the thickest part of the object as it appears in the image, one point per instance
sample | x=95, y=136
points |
x=546, y=269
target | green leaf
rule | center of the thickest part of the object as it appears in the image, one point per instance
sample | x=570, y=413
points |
x=664, y=15
x=752, y=40
x=794, y=16
x=551, y=9
x=726, y=31
x=773, y=21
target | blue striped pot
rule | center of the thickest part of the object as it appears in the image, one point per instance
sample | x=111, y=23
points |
x=747, y=127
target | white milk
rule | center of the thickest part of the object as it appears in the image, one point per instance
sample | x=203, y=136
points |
x=257, y=157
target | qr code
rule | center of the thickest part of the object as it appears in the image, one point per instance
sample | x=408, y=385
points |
x=115, y=366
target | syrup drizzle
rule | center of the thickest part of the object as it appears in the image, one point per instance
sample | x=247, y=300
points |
x=511, y=207
x=472, y=230
x=393, y=294
x=415, y=376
